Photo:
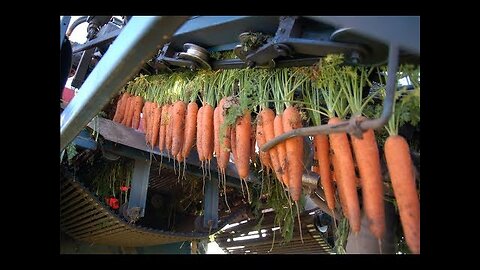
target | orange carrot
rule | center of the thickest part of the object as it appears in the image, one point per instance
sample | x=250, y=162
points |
x=292, y=120
x=201, y=156
x=368, y=161
x=346, y=176
x=157, y=115
x=216, y=130
x=117, y=118
x=131, y=109
x=127, y=109
x=281, y=149
x=267, y=117
x=169, y=133
x=178, y=134
x=123, y=109
x=243, y=132
x=207, y=130
x=322, y=147
x=151, y=121
x=260, y=138
x=225, y=145
x=146, y=109
x=190, y=128
x=400, y=167
x=335, y=172
x=162, y=134
x=138, y=104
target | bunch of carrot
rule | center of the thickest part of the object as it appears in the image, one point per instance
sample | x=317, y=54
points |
x=224, y=126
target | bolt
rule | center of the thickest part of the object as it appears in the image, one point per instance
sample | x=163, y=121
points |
x=355, y=57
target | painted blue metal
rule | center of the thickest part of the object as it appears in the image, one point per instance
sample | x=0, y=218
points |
x=401, y=30
x=64, y=22
x=139, y=40
x=140, y=177
x=210, y=204
x=85, y=141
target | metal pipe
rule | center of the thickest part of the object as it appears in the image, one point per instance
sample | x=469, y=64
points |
x=352, y=126
x=76, y=23
x=138, y=41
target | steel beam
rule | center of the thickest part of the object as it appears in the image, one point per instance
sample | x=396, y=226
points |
x=210, y=204
x=140, y=177
x=140, y=39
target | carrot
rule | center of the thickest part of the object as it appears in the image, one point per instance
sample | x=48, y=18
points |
x=334, y=173
x=117, y=118
x=368, y=162
x=130, y=111
x=146, y=107
x=291, y=120
x=123, y=108
x=207, y=130
x=201, y=156
x=225, y=138
x=400, y=167
x=267, y=117
x=127, y=109
x=190, y=128
x=169, y=133
x=281, y=149
x=162, y=134
x=157, y=117
x=151, y=121
x=322, y=148
x=243, y=132
x=216, y=130
x=260, y=138
x=345, y=172
x=138, y=104
x=178, y=126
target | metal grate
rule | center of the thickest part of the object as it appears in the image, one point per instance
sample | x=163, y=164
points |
x=85, y=218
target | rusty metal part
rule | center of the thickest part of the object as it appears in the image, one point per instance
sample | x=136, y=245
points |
x=352, y=126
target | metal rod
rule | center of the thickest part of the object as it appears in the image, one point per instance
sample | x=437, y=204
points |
x=352, y=126
x=138, y=41
x=97, y=41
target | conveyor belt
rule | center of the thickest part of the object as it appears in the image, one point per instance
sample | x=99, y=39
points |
x=85, y=218
x=314, y=242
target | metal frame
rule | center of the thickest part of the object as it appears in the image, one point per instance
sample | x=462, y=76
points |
x=63, y=28
x=138, y=41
